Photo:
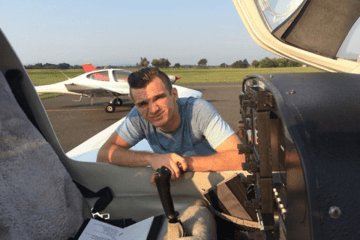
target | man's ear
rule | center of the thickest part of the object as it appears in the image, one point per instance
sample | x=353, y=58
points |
x=174, y=93
x=131, y=96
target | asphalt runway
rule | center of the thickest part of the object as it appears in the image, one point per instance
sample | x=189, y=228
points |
x=74, y=121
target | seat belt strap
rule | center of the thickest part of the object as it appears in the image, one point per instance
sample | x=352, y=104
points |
x=105, y=197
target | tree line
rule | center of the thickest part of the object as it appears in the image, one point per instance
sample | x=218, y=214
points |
x=263, y=63
x=164, y=63
x=52, y=66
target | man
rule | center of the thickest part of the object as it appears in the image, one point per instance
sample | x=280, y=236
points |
x=186, y=134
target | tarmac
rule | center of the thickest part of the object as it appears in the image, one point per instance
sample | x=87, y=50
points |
x=76, y=121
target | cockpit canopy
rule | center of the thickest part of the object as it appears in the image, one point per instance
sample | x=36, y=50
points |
x=321, y=33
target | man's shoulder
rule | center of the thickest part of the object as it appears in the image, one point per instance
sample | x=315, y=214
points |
x=134, y=113
x=135, y=117
x=197, y=109
x=191, y=101
x=186, y=100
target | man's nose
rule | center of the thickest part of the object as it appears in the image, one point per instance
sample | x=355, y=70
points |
x=153, y=107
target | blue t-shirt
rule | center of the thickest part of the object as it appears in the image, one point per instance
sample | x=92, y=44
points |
x=201, y=130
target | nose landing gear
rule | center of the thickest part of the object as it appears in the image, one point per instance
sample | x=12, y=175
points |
x=117, y=101
x=110, y=107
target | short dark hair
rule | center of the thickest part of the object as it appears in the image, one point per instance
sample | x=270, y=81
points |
x=142, y=77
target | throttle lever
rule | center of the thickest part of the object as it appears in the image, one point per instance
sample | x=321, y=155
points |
x=162, y=180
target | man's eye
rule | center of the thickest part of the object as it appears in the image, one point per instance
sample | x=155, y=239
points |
x=141, y=105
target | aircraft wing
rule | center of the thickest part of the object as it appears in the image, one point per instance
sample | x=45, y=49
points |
x=88, y=150
x=94, y=90
x=54, y=88
x=187, y=92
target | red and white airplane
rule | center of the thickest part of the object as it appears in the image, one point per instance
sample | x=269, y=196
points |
x=100, y=83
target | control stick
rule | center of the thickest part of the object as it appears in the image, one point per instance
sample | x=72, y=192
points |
x=162, y=180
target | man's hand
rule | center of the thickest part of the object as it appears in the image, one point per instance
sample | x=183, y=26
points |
x=172, y=161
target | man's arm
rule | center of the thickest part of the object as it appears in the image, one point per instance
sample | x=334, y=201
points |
x=227, y=158
x=116, y=151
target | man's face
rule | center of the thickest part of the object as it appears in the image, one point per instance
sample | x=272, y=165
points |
x=156, y=105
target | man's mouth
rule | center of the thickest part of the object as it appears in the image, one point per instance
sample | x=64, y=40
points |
x=156, y=117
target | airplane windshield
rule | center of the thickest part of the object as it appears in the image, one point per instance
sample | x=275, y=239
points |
x=350, y=49
x=275, y=12
x=121, y=75
x=100, y=76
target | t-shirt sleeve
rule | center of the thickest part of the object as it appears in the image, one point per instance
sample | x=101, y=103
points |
x=211, y=124
x=131, y=129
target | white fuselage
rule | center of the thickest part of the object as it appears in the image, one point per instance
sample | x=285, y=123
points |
x=109, y=82
x=100, y=83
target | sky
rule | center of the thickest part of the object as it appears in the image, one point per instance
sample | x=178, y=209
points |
x=121, y=32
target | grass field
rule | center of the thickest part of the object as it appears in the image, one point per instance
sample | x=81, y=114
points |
x=188, y=75
x=222, y=75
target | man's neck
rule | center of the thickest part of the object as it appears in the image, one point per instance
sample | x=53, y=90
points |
x=174, y=122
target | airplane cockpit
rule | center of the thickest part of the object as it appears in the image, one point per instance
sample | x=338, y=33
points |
x=110, y=75
x=100, y=76
x=300, y=136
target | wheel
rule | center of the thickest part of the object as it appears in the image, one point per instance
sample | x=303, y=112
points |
x=110, y=108
x=118, y=101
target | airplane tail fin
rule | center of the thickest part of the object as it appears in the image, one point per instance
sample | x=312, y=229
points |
x=88, y=67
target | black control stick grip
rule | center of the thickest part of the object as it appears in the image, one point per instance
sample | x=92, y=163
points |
x=162, y=180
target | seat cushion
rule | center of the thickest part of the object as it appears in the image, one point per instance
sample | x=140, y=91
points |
x=38, y=199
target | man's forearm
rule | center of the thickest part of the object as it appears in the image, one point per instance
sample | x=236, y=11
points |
x=221, y=161
x=124, y=157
